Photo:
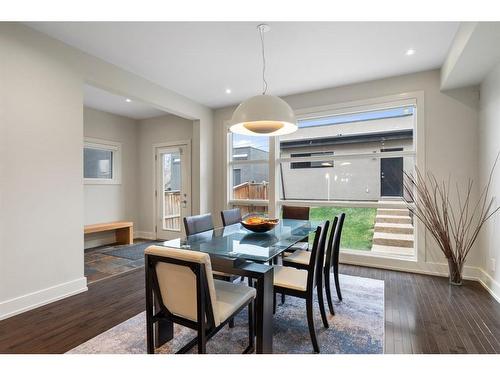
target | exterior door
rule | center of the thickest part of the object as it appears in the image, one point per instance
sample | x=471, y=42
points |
x=173, y=190
x=391, y=175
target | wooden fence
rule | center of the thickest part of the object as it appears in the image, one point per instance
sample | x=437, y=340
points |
x=250, y=190
x=172, y=209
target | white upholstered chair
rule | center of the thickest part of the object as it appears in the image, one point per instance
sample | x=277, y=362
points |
x=187, y=294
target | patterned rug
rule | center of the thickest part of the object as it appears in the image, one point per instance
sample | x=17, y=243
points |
x=356, y=328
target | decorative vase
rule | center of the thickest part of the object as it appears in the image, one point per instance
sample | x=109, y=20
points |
x=455, y=272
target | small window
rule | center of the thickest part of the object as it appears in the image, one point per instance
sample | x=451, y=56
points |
x=101, y=162
x=312, y=164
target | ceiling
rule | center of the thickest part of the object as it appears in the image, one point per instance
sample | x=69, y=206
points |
x=96, y=98
x=200, y=60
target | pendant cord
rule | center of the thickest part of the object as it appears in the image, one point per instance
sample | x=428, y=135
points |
x=264, y=82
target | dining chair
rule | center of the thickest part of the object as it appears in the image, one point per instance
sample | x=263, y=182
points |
x=231, y=216
x=203, y=223
x=332, y=260
x=198, y=223
x=302, y=282
x=300, y=259
x=187, y=294
x=297, y=213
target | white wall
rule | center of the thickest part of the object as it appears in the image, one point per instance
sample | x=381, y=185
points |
x=112, y=202
x=489, y=146
x=41, y=193
x=153, y=131
x=450, y=144
x=41, y=248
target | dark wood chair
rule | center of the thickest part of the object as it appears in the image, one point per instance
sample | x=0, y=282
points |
x=231, y=216
x=297, y=213
x=198, y=223
x=300, y=260
x=185, y=292
x=332, y=260
x=302, y=282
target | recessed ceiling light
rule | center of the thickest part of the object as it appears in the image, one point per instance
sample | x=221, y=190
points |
x=228, y=91
x=410, y=52
x=128, y=100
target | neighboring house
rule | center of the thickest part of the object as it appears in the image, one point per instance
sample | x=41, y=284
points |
x=249, y=172
x=343, y=179
x=347, y=179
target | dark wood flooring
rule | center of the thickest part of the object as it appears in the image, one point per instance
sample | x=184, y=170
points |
x=423, y=314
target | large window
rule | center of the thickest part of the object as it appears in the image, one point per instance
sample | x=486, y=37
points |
x=101, y=162
x=354, y=163
x=351, y=159
x=249, y=172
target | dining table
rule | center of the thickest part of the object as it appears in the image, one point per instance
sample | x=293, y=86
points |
x=238, y=251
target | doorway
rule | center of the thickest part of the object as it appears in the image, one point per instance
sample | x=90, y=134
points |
x=173, y=189
x=391, y=175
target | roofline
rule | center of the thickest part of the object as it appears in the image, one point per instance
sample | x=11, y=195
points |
x=348, y=139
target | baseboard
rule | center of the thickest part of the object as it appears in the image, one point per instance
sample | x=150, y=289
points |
x=439, y=269
x=492, y=286
x=41, y=297
x=145, y=235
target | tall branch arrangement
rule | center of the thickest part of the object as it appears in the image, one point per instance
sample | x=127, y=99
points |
x=455, y=227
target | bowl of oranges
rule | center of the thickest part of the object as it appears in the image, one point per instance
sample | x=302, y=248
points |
x=259, y=224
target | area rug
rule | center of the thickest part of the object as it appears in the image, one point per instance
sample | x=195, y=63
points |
x=132, y=252
x=356, y=328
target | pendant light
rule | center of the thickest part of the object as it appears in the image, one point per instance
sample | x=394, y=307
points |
x=263, y=115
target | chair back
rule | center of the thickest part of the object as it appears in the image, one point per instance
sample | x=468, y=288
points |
x=184, y=283
x=198, y=224
x=231, y=216
x=333, y=248
x=297, y=213
x=317, y=255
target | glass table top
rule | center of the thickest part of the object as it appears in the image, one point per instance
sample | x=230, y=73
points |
x=234, y=241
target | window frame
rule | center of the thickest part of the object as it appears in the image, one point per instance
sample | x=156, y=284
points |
x=414, y=98
x=326, y=155
x=116, y=150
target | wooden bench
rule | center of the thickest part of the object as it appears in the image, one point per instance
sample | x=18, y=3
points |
x=124, y=230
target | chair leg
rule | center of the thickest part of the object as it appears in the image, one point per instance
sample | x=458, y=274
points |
x=251, y=330
x=321, y=301
x=282, y=298
x=328, y=290
x=310, y=323
x=231, y=323
x=202, y=341
x=274, y=303
x=149, y=335
x=337, y=284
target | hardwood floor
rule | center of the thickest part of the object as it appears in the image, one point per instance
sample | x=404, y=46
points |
x=423, y=314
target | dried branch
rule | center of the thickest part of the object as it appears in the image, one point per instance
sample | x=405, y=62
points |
x=454, y=226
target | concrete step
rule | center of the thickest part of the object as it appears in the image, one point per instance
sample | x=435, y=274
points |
x=394, y=219
x=393, y=211
x=393, y=239
x=393, y=228
x=392, y=250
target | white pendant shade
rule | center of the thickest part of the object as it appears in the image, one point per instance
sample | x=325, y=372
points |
x=263, y=115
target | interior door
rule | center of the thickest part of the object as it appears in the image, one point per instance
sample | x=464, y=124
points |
x=173, y=190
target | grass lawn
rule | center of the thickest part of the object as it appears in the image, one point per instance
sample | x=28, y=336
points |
x=357, y=233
